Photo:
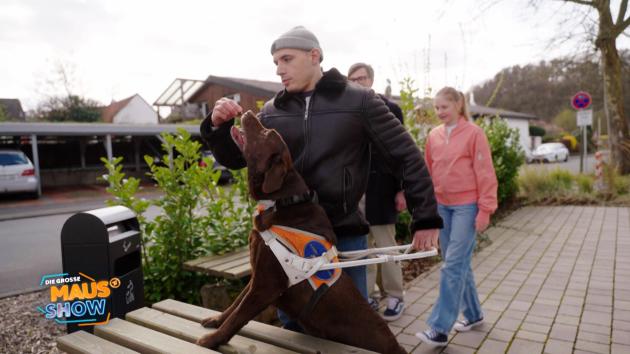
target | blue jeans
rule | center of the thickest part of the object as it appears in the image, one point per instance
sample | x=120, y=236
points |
x=457, y=283
x=357, y=274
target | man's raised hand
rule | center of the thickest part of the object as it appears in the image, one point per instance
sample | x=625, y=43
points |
x=224, y=110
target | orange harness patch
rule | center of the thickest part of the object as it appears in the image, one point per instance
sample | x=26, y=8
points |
x=308, y=245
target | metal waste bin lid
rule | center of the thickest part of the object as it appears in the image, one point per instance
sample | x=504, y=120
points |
x=92, y=227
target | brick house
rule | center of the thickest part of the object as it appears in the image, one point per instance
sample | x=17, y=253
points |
x=250, y=94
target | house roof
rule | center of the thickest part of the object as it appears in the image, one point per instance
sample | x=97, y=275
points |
x=109, y=112
x=255, y=87
x=476, y=110
x=12, y=108
x=178, y=92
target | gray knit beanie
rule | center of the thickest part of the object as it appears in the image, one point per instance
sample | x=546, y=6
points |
x=297, y=38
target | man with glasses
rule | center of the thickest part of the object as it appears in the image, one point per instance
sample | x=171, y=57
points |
x=384, y=198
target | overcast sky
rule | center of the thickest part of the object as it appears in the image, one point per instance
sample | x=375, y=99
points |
x=114, y=49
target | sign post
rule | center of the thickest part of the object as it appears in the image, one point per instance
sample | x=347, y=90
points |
x=581, y=101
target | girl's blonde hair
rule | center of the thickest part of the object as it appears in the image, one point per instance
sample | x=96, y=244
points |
x=453, y=95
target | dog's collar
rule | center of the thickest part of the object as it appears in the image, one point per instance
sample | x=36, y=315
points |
x=267, y=204
x=310, y=196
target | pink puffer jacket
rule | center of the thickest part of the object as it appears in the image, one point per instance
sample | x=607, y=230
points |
x=461, y=166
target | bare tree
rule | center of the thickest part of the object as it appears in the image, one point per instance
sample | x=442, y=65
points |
x=608, y=30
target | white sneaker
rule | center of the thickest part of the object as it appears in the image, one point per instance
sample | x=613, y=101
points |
x=394, y=310
x=465, y=325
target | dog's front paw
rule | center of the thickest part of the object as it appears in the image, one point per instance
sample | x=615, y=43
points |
x=209, y=341
x=212, y=322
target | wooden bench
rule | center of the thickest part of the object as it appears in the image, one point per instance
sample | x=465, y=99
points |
x=173, y=327
x=233, y=265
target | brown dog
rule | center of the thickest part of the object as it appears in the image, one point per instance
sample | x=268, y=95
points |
x=341, y=314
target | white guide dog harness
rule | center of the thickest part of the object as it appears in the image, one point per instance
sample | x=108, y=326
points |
x=304, y=255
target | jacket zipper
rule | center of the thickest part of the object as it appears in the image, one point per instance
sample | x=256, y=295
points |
x=347, y=183
x=305, y=125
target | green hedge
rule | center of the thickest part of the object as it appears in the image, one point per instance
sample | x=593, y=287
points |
x=535, y=130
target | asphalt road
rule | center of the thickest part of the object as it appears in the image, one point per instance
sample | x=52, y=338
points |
x=572, y=165
x=30, y=247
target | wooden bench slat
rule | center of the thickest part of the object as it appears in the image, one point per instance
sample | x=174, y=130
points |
x=229, y=265
x=190, y=331
x=82, y=342
x=240, y=272
x=145, y=340
x=215, y=260
x=277, y=336
x=225, y=270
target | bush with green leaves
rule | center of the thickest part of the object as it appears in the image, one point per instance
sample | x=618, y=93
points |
x=418, y=114
x=198, y=216
x=419, y=120
x=535, y=130
x=507, y=156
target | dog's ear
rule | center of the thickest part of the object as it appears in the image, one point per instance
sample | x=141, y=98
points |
x=274, y=177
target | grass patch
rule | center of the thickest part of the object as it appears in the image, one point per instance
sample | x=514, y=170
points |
x=561, y=187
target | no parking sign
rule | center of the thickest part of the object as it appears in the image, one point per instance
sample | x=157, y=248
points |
x=581, y=100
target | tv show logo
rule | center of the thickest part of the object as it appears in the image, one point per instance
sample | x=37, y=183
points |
x=78, y=299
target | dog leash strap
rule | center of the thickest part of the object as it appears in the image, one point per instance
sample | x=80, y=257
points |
x=382, y=258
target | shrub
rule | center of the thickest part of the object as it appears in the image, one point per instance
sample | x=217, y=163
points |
x=535, y=130
x=584, y=183
x=506, y=155
x=559, y=187
x=535, y=184
x=570, y=142
x=198, y=216
x=614, y=183
x=561, y=179
x=622, y=184
x=419, y=119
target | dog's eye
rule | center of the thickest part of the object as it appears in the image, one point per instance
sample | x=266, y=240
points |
x=273, y=159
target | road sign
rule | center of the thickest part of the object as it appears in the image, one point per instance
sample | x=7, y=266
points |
x=584, y=117
x=581, y=100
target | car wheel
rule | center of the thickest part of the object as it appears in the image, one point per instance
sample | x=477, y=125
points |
x=566, y=157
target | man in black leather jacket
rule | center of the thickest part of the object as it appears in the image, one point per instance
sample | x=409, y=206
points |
x=328, y=124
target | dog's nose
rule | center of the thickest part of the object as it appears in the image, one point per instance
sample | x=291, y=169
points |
x=250, y=122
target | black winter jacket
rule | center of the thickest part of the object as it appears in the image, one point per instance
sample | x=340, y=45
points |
x=380, y=207
x=329, y=143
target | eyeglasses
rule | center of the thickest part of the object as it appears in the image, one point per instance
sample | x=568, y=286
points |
x=359, y=78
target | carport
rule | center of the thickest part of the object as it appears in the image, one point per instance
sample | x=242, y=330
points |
x=88, y=130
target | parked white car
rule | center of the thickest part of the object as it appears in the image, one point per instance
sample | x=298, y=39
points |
x=17, y=173
x=551, y=152
x=529, y=158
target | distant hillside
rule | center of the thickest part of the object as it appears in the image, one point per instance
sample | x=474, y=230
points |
x=546, y=88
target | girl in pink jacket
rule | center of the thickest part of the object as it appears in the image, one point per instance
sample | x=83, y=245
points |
x=459, y=160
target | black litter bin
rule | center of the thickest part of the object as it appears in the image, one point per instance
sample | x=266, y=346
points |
x=105, y=244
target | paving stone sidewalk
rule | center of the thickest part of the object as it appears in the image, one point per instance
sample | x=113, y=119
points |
x=554, y=280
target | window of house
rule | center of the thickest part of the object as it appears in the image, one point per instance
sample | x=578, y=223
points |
x=235, y=96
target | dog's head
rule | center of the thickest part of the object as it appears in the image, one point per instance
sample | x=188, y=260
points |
x=268, y=159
